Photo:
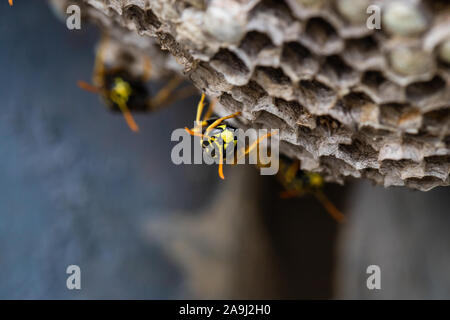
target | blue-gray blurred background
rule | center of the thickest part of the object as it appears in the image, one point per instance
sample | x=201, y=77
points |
x=78, y=187
x=75, y=182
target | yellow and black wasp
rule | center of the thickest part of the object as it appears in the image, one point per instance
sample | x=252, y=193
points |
x=297, y=183
x=218, y=137
x=126, y=93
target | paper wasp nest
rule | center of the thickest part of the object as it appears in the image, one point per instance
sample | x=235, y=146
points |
x=349, y=101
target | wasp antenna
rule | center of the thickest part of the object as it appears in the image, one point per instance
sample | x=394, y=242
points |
x=130, y=121
x=220, y=120
x=193, y=133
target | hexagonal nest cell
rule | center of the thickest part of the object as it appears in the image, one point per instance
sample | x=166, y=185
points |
x=349, y=100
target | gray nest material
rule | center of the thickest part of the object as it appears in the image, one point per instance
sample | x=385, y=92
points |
x=349, y=101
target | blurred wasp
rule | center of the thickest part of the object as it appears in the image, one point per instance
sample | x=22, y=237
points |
x=297, y=183
x=216, y=135
x=126, y=93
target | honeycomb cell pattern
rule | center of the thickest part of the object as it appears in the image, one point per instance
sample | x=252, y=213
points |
x=349, y=101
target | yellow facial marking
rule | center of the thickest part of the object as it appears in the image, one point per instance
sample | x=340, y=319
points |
x=121, y=91
x=227, y=136
x=315, y=180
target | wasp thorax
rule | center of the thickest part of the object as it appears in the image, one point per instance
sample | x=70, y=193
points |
x=220, y=141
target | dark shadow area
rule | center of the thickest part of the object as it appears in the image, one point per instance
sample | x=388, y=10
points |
x=304, y=237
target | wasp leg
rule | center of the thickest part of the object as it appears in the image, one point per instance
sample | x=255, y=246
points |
x=179, y=95
x=291, y=172
x=288, y=194
x=220, y=120
x=99, y=66
x=88, y=87
x=99, y=70
x=221, y=170
x=329, y=206
x=221, y=164
x=198, y=134
x=210, y=110
x=164, y=94
x=200, y=106
x=254, y=145
x=147, y=69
